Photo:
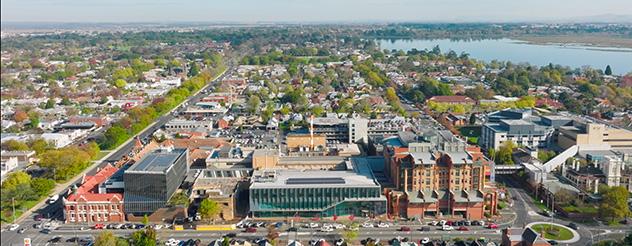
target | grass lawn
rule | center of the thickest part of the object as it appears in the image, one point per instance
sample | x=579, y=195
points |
x=583, y=209
x=18, y=211
x=553, y=232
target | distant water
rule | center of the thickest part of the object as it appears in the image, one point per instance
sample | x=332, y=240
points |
x=516, y=51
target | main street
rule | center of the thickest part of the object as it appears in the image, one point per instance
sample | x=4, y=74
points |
x=55, y=210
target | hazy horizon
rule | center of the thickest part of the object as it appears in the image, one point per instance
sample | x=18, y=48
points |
x=302, y=11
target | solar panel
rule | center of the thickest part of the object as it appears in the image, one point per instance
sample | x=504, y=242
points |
x=301, y=181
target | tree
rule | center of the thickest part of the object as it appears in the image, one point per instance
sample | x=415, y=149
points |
x=42, y=186
x=608, y=70
x=146, y=237
x=209, y=209
x=15, y=179
x=14, y=145
x=120, y=83
x=40, y=145
x=564, y=196
x=50, y=103
x=113, y=137
x=505, y=152
x=614, y=205
x=545, y=155
x=20, y=116
x=472, y=119
x=253, y=104
x=145, y=220
x=349, y=236
x=105, y=238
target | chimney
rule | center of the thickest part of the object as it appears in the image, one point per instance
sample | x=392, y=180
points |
x=311, y=132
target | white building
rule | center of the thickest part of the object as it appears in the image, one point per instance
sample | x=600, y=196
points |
x=8, y=165
x=59, y=140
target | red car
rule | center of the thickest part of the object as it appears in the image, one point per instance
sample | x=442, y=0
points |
x=462, y=228
x=251, y=230
x=492, y=226
x=404, y=228
x=450, y=223
x=99, y=226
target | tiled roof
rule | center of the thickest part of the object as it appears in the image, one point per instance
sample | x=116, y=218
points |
x=90, y=183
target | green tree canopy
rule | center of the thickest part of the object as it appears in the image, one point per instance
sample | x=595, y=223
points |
x=209, y=209
x=614, y=203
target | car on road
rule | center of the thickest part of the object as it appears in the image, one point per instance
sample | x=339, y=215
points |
x=492, y=226
x=462, y=228
x=13, y=227
x=46, y=231
x=573, y=226
x=552, y=242
x=447, y=228
x=22, y=230
x=425, y=228
x=404, y=228
x=55, y=239
x=383, y=225
x=231, y=235
x=326, y=229
x=52, y=199
x=292, y=229
x=251, y=230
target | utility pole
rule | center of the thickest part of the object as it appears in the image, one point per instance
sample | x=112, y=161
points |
x=13, y=205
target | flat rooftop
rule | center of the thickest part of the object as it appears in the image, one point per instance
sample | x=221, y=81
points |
x=158, y=161
x=284, y=179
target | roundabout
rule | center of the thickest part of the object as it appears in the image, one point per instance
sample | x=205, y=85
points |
x=554, y=231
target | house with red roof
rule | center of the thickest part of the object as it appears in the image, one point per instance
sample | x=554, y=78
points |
x=86, y=204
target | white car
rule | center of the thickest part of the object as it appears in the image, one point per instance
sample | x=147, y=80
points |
x=172, y=242
x=434, y=223
x=482, y=223
x=447, y=228
x=425, y=240
x=53, y=199
x=339, y=226
x=13, y=227
x=442, y=222
x=326, y=229
x=367, y=225
x=157, y=227
x=313, y=225
x=383, y=225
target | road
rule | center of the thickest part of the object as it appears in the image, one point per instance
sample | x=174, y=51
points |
x=302, y=234
x=527, y=212
x=55, y=210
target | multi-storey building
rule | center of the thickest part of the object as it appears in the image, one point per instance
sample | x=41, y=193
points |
x=87, y=204
x=310, y=193
x=151, y=182
x=438, y=175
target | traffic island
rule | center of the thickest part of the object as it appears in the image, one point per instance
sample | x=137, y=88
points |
x=557, y=232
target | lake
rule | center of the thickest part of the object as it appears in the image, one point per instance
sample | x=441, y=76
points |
x=516, y=51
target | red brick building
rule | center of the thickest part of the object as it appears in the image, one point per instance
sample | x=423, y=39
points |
x=430, y=182
x=87, y=205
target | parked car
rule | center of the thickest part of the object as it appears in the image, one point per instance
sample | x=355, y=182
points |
x=312, y=225
x=13, y=227
x=424, y=240
x=492, y=226
x=462, y=228
x=425, y=228
x=251, y=230
x=404, y=228
x=99, y=226
x=55, y=239
x=52, y=199
x=447, y=228
x=326, y=229
x=383, y=225
x=367, y=225
x=433, y=223
x=292, y=229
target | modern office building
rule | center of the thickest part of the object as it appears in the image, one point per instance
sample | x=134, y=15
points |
x=316, y=193
x=521, y=128
x=341, y=130
x=150, y=183
x=594, y=134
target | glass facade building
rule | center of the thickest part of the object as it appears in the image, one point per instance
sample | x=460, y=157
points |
x=298, y=193
x=150, y=183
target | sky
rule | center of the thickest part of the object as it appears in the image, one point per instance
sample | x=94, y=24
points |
x=252, y=11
